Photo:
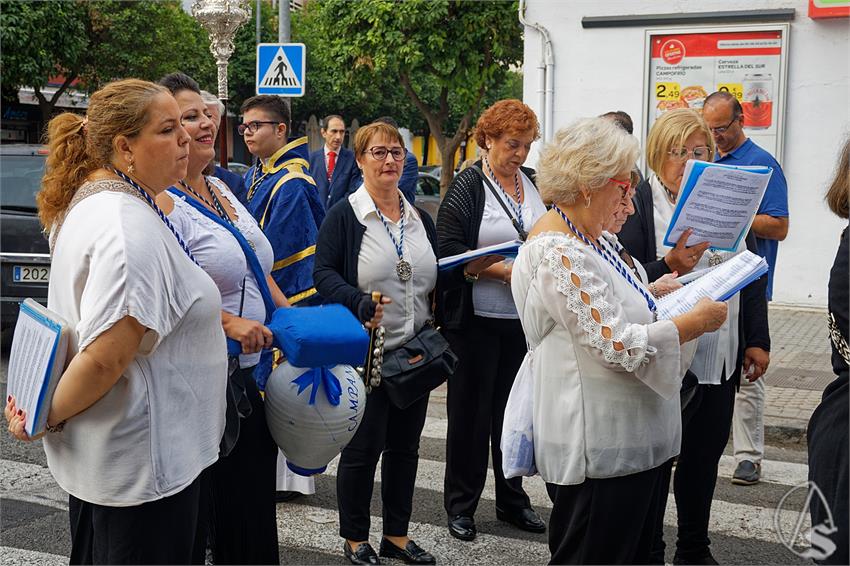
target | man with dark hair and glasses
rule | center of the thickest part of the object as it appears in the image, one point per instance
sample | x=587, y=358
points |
x=282, y=195
x=725, y=117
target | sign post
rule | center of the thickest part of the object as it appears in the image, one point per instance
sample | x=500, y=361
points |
x=281, y=69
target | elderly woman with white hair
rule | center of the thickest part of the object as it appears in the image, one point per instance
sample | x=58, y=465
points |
x=606, y=373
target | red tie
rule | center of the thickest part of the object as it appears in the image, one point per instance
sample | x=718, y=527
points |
x=331, y=163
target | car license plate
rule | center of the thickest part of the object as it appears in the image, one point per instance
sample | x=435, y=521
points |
x=30, y=274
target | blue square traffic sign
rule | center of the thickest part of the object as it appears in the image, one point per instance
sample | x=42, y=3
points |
x=281, y=68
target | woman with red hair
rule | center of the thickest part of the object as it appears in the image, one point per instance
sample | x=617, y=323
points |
x=493, y=201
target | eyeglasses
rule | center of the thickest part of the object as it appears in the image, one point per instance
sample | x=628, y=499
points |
x=252, y=126
x=702, y=153
x=380, y=152
x=722, y=129
x=625, y=186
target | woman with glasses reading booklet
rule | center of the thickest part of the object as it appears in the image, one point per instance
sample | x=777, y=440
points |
x=742, y=341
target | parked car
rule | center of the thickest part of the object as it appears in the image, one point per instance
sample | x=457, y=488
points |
x=24, y=253
x=236, y=167
x=432, y=170
x=428, y=194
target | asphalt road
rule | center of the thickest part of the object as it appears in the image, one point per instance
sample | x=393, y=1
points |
x=34, y=527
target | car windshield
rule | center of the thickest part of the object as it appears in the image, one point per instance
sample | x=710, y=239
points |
x=20, y=179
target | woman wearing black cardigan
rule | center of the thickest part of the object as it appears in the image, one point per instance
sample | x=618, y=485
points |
x=743, y=341
x=374, y=240
x=479, y=318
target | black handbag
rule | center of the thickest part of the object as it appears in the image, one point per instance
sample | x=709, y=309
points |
x=418, y=366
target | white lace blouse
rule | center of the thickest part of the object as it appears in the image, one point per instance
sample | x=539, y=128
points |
x=599, y=411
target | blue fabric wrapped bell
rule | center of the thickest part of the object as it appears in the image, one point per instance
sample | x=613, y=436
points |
x=326, y=335
x=313, y=414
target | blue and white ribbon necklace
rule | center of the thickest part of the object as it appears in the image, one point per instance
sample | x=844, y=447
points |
x=515, y=206
x=617, y=263
x=403, y=268
x=153, y=205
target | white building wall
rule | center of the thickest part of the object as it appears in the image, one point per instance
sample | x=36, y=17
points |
x=597, y=70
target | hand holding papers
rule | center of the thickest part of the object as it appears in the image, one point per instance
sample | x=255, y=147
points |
x=718, y=284
x=505, y=249
x=37, y=360
x=718, y=202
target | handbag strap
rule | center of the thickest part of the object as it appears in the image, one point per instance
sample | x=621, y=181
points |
x=519, y=229
x=250, y=256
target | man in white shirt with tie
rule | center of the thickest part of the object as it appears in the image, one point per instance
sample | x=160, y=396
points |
x=333, y=167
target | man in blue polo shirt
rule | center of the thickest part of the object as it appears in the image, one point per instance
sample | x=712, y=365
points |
x=725, y=117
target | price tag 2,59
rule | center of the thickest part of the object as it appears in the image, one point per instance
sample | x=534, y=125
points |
x=667, y=91
x=735, y=89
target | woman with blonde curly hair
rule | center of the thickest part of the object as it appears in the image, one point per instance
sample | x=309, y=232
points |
x=606, y=373
x=491, y=202
x=139, y=412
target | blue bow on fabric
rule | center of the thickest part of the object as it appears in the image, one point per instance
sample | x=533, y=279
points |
x=317, y=377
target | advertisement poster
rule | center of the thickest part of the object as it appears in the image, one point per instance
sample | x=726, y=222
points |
x=684, y=68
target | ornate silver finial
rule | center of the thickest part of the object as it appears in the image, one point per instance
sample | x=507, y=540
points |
x=221, y=19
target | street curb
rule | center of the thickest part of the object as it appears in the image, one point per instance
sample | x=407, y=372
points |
x=778, y=430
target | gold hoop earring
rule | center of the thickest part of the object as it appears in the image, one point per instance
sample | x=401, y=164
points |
x=587, y=201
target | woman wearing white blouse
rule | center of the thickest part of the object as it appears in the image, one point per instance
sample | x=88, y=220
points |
x=374, y=240
x=491, y=202
x=144, y=394
x=606, y=373
x=242, y=510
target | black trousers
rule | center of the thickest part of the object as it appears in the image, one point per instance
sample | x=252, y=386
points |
x=166, y=531
x=490, y=352
x=706, y=424
x=604, y=521
x=394, y=433
x=242, y=508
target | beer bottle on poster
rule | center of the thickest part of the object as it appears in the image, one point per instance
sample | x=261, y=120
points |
x=758, y=101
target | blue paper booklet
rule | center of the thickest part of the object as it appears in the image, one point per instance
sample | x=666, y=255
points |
x=505, y=249
x=37, y=361
x=718, y=283
x=719, y=202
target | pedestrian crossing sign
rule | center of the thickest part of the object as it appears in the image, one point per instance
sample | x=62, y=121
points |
x=281, y=68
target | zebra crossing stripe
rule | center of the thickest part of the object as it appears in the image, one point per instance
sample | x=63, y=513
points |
x=773, y=471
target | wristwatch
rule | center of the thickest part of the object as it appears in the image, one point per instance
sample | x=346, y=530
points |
x=470, y=277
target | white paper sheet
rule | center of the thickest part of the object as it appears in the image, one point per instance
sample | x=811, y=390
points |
x=719, y=202
x=718, y=284
x=37, y=359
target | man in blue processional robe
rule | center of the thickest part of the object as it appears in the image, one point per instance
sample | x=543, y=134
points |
x=282, y=196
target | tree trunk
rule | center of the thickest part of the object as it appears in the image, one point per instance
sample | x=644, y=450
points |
x=46, y=106
x=447, y=158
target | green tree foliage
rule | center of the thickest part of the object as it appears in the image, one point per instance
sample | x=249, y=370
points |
x=97, y=41
x=445, y=56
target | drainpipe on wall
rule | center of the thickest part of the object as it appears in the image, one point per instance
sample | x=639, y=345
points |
x=546, y=76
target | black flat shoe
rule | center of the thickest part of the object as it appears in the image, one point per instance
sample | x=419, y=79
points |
x=364, y=554
x=526, y=519
x=410, y=554
x=462, y=527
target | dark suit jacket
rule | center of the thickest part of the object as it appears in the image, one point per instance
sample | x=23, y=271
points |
x=409, y=178
x=346, y=178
